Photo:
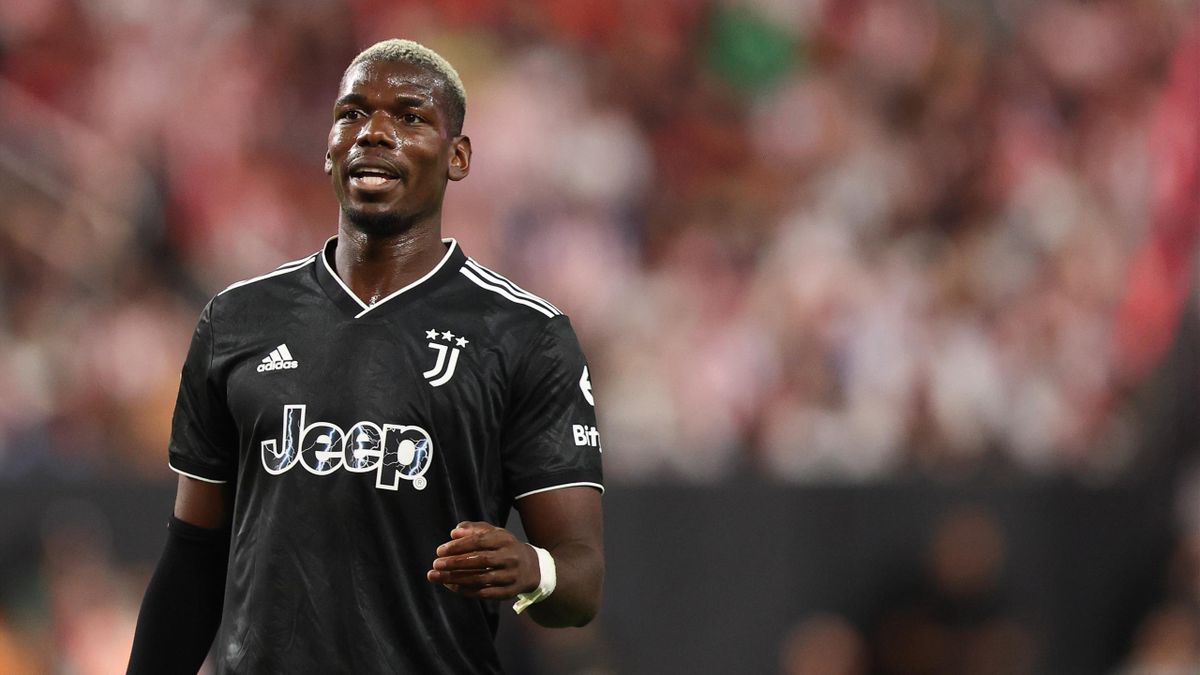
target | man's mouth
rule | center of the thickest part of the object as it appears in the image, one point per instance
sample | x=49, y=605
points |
x=372, y=178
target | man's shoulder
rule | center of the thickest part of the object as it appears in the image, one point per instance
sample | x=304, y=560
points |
x=504, y=298
x=246, y=305
x=248, y=289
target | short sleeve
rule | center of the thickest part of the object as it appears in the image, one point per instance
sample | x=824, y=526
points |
x=203, y=437
x=550, y=439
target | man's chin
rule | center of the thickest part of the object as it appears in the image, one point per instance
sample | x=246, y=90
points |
x=376, y=222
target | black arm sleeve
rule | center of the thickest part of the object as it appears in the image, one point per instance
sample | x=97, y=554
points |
x=182, y=608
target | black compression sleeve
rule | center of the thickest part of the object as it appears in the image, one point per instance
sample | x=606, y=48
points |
x=182, y=608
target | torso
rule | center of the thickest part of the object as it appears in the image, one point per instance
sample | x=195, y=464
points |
x=364, y=434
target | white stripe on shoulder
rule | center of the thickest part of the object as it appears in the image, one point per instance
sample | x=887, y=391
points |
x=559, y=487
x=192, y=475
x=282, y=270
x=501, y=280
x=296, y=263
x=500, y=290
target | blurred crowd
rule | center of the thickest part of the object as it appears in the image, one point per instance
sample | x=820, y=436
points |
x=813, y=239
x=956, y=615
x=808, y=240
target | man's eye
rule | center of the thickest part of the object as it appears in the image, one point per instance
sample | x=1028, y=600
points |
x=349, y=115
x=411, y=118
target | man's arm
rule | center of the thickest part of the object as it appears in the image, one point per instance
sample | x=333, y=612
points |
x=488, y=562
x=203, y=504
x=182, y=607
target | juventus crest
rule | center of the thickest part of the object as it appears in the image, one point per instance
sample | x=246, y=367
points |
x=448, y=346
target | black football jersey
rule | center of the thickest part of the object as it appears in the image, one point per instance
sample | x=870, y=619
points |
x=357, y=437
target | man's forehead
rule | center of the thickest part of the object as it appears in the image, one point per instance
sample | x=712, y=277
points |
x=394, y=76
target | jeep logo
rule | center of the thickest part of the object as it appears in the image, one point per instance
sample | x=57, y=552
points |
x=395, y=452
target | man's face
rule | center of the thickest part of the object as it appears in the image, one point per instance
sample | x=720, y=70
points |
x=390, y=148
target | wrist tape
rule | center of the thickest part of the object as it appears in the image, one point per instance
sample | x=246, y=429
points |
x=549, y=578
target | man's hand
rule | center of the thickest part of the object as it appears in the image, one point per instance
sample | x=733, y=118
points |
x=485, y=562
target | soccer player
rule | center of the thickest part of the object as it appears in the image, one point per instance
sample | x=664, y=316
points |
x=353, y=428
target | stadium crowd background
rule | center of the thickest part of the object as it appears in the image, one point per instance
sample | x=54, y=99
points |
x=803, y=241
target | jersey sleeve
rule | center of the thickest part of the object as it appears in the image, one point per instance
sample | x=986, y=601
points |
x=203, y=437
x=550, y=438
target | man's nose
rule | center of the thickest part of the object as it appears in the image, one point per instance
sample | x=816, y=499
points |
x=378, y=130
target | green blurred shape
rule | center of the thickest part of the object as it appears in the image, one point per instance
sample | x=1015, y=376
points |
x=747, y=50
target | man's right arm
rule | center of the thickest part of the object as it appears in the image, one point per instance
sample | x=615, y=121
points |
x=182, y=607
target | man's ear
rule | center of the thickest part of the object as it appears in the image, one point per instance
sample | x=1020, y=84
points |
x=460, y=158
x=328, y=164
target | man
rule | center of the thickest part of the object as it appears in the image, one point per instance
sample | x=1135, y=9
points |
x=352, y=429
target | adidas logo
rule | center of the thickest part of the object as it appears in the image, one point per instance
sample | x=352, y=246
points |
x=279, y=359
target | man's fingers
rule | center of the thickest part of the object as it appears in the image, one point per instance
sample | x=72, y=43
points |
x=475, y=537
x=499, y=583
x=480, y=561
x=471, y=561
x=479, y=542
x=473, y=579
x=468, y=527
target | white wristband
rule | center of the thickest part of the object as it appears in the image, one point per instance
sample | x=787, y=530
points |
x=549, y=578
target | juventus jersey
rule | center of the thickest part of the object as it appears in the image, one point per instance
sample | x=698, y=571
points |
x=357, y=437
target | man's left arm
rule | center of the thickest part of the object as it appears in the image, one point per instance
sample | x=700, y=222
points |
x=551, y=469
x=488, y=562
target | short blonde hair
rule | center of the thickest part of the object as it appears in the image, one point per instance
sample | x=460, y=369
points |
x=407, y=51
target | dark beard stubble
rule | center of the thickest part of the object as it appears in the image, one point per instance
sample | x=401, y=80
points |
x=377, y=224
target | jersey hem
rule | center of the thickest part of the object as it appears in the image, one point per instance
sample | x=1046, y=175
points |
x=561, y=486
x=193, y=473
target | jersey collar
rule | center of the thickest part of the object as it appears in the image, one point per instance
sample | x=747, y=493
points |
x=344, y=298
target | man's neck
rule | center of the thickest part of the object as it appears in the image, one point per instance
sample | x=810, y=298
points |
x=375, y=266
